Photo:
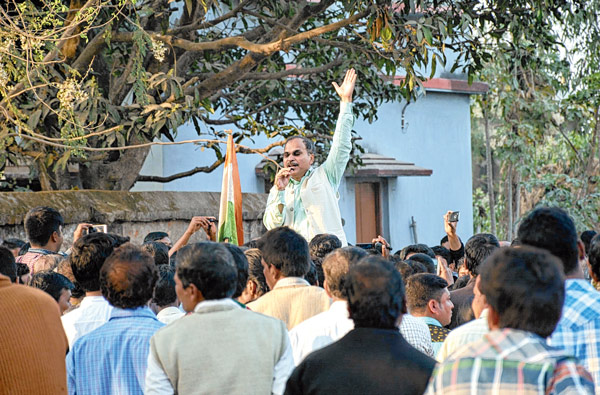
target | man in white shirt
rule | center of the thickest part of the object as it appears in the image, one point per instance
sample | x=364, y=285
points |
x=208, y=351
x=331, y=325
x=87, y=257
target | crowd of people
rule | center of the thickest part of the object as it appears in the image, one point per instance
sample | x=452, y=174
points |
x=285, y=315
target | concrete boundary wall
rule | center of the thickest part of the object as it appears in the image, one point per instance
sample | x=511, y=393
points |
x=132, y=214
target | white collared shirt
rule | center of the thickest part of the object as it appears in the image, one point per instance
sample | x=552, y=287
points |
x=157, y=381
x=169, y=314
x=93, y=311
x=464, y=334
x=291, y=282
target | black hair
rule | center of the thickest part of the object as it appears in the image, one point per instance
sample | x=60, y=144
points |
x=241, y=263
x=594, y=256
x=423, y=287
x=88, y=255
x=477, y=249
x=159, y=251
x=40, y=223
x=443, y=252
x=404, y=268
x=424, y=259
x=375, y=293
x=153, y=236
x=586, y=237
x=22, y=269
x=416, y=248
x=416, y=266
x=164, y=290
x=13, y=243
x=128, y=277
x=251, y=244
x=336, y=266
x=255, y=270
x=287, y=250
x=51, y=282
x=210, y=267
x=322, y=244
x=525, y=286
x=308, y=143
x=552, y=229
x=311, y=276
x=8, y=267
x=443, y=240
x=24, y=248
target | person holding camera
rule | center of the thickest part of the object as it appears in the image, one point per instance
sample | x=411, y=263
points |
x=303, y=197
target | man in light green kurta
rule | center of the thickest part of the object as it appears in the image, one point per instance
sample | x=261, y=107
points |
x=304, y=197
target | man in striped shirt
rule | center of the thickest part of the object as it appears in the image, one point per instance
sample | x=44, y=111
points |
x=524, y=288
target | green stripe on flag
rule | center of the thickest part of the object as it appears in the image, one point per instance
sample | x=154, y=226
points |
x=228, y=230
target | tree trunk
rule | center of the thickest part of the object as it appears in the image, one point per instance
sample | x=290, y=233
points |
x=490, y=171
x=115, y=175
x=509, y=203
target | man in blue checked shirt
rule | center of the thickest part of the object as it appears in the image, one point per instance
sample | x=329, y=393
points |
x=578, y=331
x=112, y=359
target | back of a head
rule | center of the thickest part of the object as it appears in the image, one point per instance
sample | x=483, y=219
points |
x=154, y=236
x=594, y=256
x=443, y=252
x=51, y=282
x=255, y=270
x=13, y=243
x=525, y=286
x=164, y=291
x=159, y=251
x=424, y=259
x=210, y=267
x=421, y=288
x=375, y=293
x=477, y=249
x=416, y=249
x=241, y=264
x=586, y=237
x=40, y=223
x=404, y=268
x=287, y=250
x=336, y=266
x=552, y=229
x=128, y=277
x=322, y=244
x=88, y=255
x=8, y=267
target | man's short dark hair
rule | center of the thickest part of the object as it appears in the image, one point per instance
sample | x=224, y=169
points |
x=322, y=244
x=287, y=250
x=22, y=269
x=153, y=236
x=40, y=223
x=375, y=293
x=443, y=252
x=552, y=229
x=404, y=268
x=424, y=259
x=159, y=251
x=586, y=237
x=416, y=249
x=255, y=270
x=594, y=256
x=51, y=282
x=423, y=287
x=477, y=249
x=128, y=277
x=8, y=267
x=241, y=263
x=525, y=286
x=308, y=143
x=416, y=266
x=210, y=267
x=164, y=290
x=88, y=255
x=13, y=243
x=336, y=266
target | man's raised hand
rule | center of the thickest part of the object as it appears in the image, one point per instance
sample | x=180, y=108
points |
x=347, y=88
x=282, y=178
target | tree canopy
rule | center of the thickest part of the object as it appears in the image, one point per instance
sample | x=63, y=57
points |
x=91, y=84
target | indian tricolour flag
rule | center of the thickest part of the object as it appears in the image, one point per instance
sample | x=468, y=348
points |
x=231, y=228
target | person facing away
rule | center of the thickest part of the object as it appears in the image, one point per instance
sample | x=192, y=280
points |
x=428, y=298
x=285, y=259
x=303, y=197
x=219, y=347
x=112, y=358
x=87, y=257
x=524, y=289
x=373, y=358
x=578, y=330
x=165, y=303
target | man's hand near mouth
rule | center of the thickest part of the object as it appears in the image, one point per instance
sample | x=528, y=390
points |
x=282, y=178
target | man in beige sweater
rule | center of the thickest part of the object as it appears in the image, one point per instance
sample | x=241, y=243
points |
x=286, y=261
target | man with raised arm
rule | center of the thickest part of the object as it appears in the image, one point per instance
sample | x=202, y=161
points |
x=304, y=197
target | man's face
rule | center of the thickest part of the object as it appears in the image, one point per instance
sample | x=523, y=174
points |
x=296, y=157
x=444, y=315
x=268, y=274
x=64, y=300
x=184, y=295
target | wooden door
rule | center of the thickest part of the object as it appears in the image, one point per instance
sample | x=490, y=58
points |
x=368, y=211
